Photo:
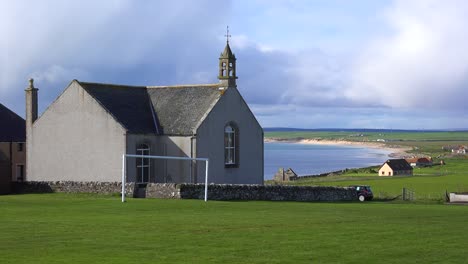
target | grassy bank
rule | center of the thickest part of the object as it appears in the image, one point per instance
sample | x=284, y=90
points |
x=61, y=228
x=429, y=184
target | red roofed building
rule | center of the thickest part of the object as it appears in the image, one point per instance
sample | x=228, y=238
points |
x=420, y=162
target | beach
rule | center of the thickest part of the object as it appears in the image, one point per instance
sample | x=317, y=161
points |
x=396, y=151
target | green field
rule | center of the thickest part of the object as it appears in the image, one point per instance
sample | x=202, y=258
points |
x=428, y=184
x=371, y=136
x=66, y=228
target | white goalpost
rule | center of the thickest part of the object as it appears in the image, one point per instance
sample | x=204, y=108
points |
x=124, y=170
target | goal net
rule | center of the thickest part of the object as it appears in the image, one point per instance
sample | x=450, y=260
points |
x=143, y=166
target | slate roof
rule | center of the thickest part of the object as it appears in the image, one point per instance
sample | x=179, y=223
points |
x=398, y=164
x=181, y=109
x=162, y=110
x=129, y=105
x=12, y=126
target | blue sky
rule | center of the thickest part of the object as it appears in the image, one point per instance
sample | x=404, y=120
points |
x=308, y=64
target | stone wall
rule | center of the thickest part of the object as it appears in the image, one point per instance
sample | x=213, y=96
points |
x=197, y=191
x=285, y=175
x=73, y=187
x=267, y=192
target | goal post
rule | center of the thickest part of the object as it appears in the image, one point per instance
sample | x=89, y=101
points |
x=124, y=169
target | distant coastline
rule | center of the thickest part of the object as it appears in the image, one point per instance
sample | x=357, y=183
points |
x=396, y=151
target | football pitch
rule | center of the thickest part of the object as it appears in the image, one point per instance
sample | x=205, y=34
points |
x=71, y=228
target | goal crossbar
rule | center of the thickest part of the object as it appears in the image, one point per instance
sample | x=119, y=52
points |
x=124, y=171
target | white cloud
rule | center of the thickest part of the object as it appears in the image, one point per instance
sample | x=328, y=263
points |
x=300, y=69
x=423, y=63
x=57, y=73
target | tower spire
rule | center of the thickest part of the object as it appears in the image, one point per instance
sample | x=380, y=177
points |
x=227, y=64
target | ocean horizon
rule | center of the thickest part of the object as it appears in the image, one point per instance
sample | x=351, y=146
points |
x=310, y=159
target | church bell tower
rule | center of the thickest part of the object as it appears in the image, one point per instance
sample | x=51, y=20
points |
x=227, y=65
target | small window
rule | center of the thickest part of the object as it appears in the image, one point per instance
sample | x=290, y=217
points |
x=20, y=147
x=20, y=173
x=143, y=164
x=231, y=146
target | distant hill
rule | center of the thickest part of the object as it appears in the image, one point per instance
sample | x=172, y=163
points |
x=291, y=129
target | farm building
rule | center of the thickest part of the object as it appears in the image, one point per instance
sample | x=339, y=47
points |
x=459, y=150
x=393, y=167
x=83, y=134
x=12, y=148
x=419, y=162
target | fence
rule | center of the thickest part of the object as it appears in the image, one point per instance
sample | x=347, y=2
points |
x=407, y=194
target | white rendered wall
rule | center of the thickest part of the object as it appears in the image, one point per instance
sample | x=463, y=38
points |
x=75, y=140
x=210, y=142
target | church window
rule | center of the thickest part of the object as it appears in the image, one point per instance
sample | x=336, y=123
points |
x=230, y=69
x=224, y=69
x=231, y=146
x=143, y=164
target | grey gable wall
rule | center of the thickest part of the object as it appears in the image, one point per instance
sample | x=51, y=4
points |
x=162, y=170
x=75, y=140
x=210, y=142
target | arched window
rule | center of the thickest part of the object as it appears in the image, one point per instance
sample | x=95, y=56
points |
x=231, y=146
x=143, y=164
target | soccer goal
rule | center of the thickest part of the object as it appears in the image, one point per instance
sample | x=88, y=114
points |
x=124, y=169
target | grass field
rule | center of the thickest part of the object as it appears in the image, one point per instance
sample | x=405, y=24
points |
x=427, y=183
x=371, y=136
x=65, y=228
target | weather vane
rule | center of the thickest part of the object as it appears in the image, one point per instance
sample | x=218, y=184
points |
x=227, y=34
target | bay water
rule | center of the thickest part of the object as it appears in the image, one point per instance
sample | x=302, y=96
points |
x=308, y=159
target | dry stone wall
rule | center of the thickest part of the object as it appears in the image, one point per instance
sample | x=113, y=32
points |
x=224, y=192
x=73, y=187
x=268, y=192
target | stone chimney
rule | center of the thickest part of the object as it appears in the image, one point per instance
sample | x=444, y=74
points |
x=31, y=103
x=31, y=116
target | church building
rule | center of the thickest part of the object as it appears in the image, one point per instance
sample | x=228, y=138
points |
x=83, y=134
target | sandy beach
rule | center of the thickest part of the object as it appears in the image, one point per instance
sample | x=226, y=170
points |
x=396, y=151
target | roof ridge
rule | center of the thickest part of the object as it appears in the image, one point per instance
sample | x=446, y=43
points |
x=208, y=85
x=111, y=84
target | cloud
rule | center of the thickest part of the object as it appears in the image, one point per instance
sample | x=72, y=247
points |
x=304, y=69
x=114, y=41
x=308, y=77
x=421, y=63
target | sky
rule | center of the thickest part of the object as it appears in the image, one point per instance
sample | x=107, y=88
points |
x=303, y=64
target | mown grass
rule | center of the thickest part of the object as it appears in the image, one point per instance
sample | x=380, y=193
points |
x=428, y=183
x=64, y=228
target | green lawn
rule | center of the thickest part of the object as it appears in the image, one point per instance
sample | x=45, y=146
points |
x=427, y=183
x=61, y=228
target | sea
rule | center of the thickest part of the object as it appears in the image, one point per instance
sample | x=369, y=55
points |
x=309, y=159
